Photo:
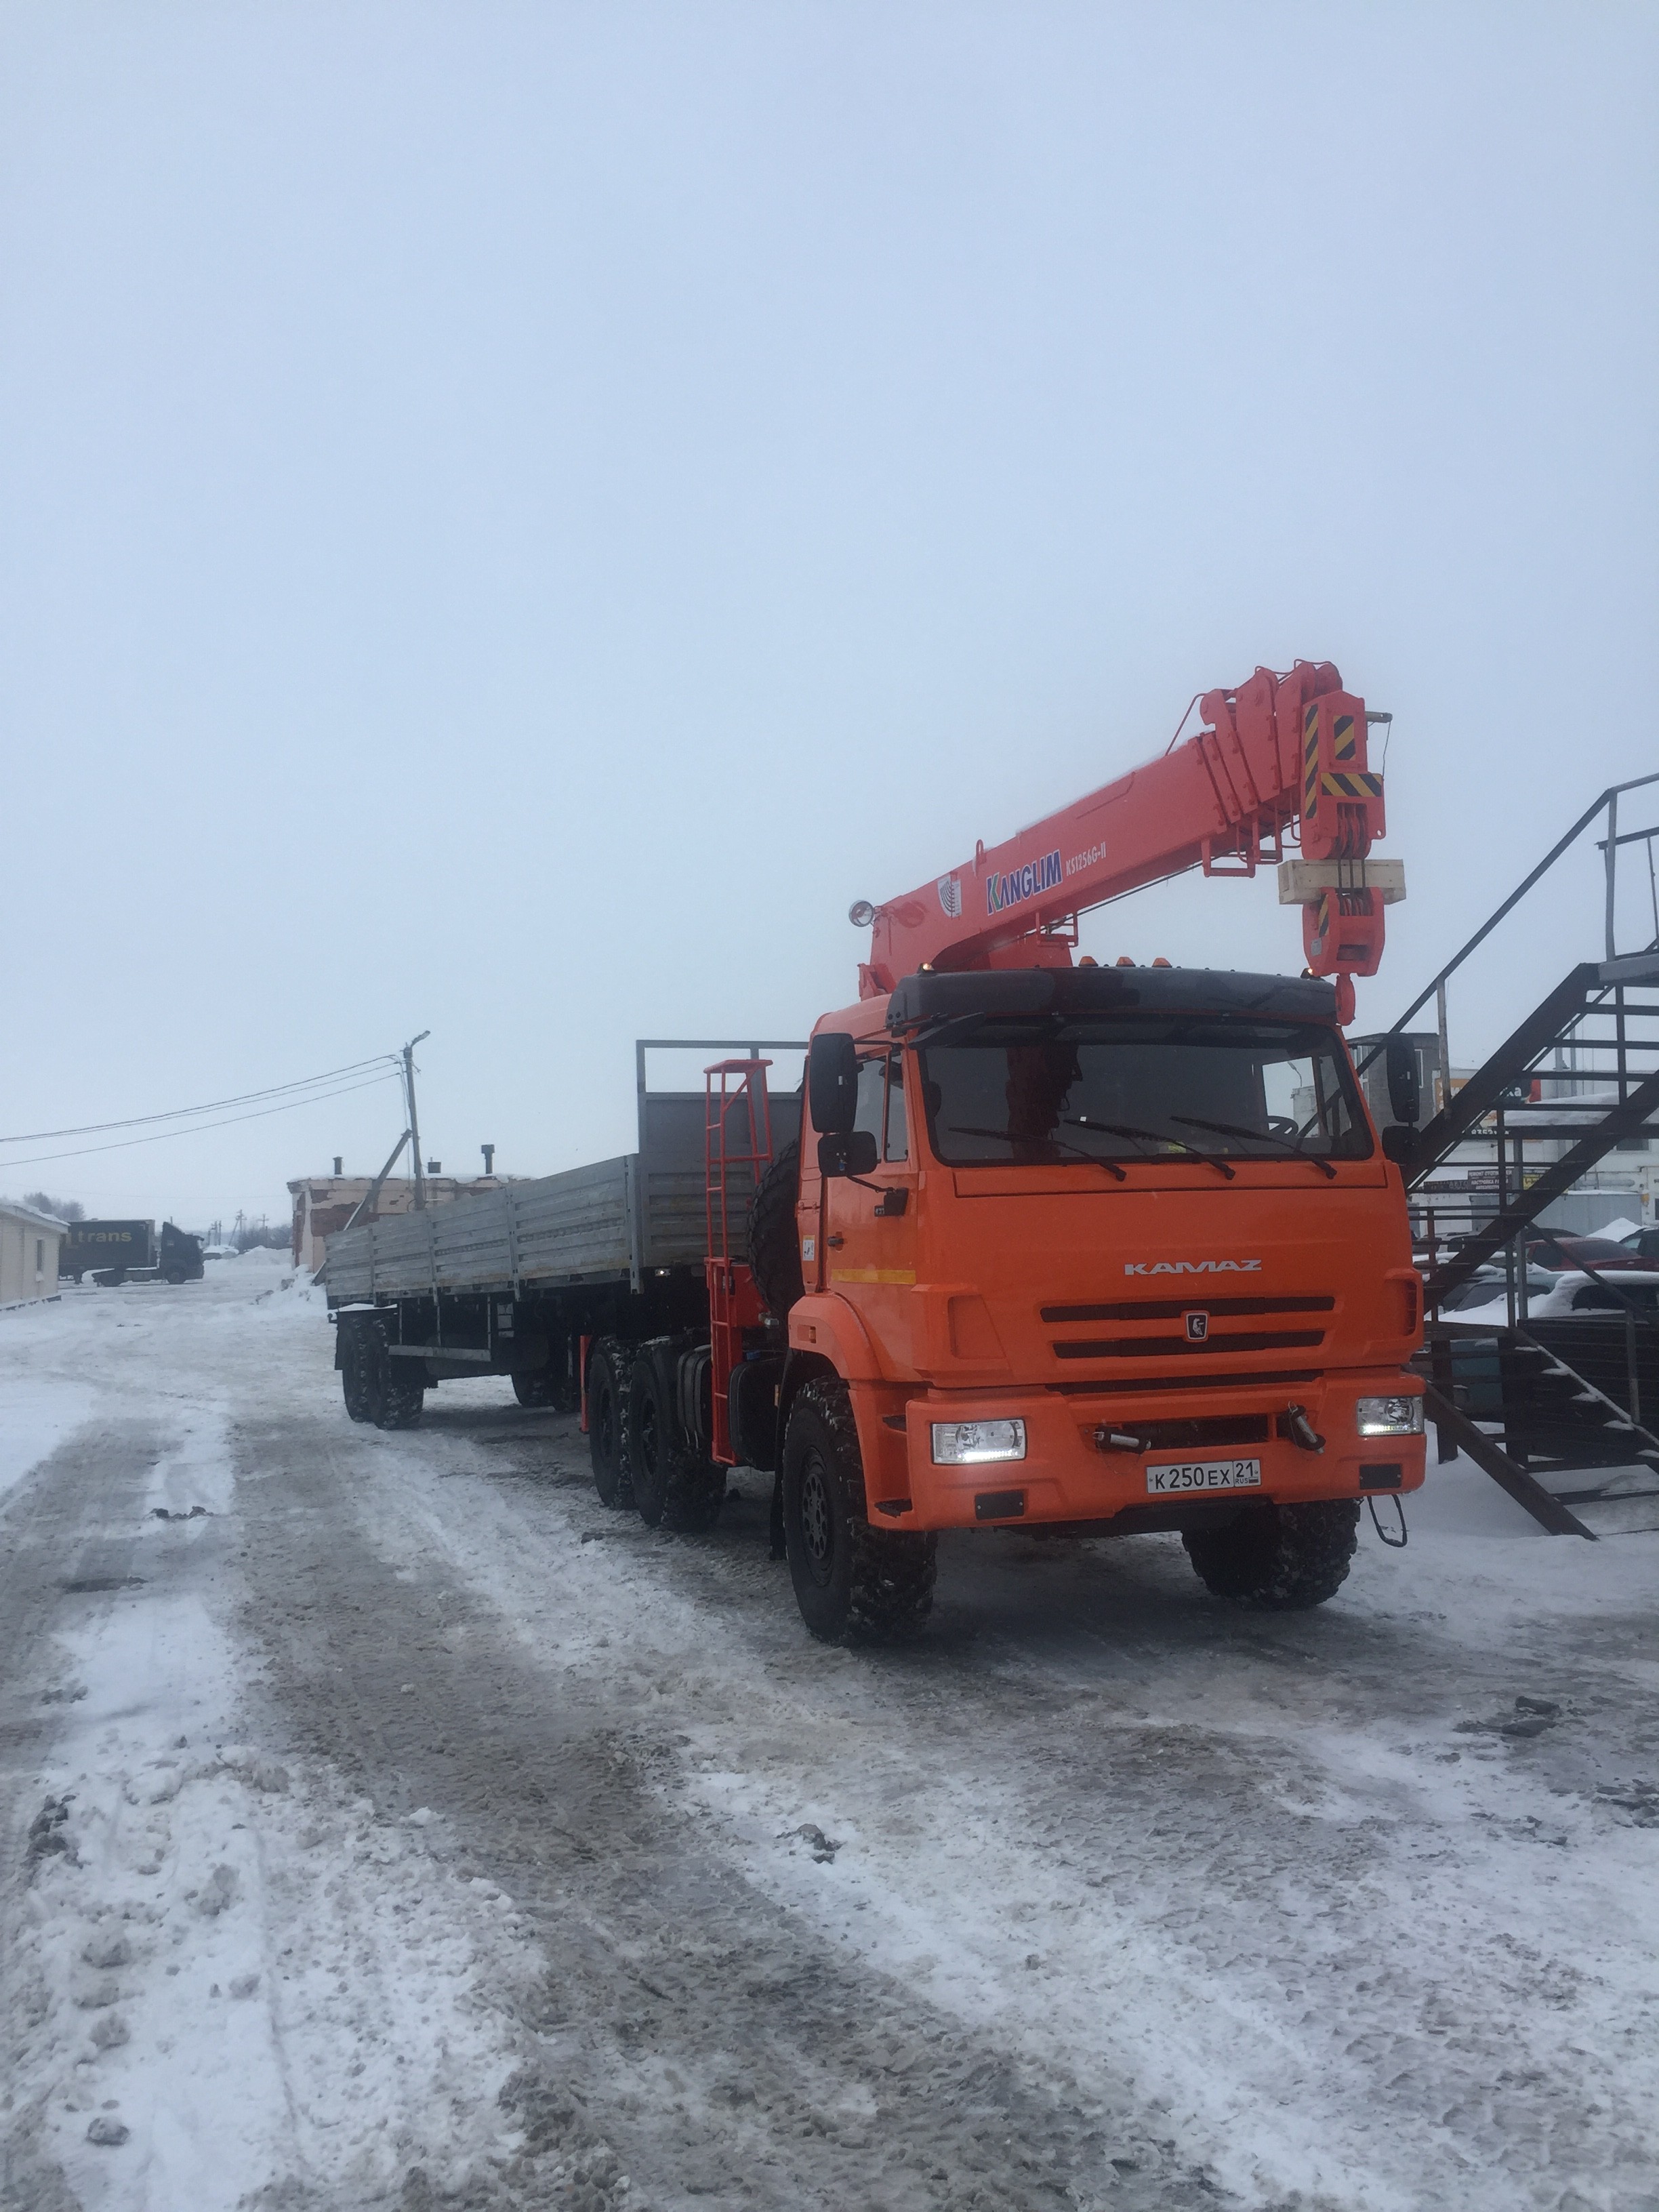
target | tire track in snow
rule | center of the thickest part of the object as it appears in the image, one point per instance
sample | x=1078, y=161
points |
x=721, y=2047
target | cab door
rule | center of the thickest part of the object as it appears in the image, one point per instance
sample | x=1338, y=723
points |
x=869, y=1230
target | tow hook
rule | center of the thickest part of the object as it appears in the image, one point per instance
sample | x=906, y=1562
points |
x=1118, y=1440
x=1301, y=1430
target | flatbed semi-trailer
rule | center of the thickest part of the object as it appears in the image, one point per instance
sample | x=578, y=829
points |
x=527, y=1280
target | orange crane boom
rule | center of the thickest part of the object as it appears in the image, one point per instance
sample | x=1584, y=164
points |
x=1282, y=757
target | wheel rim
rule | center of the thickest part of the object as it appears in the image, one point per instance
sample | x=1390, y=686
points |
x=816, y=1522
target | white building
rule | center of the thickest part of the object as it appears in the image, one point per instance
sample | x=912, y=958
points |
x=28, y=1254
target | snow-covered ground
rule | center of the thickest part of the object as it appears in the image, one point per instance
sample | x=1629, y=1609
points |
x=389, y=1823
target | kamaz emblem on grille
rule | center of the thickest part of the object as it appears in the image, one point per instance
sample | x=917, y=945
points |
x=1191, y=1266
x=1198, y=1326
x=1021, y=883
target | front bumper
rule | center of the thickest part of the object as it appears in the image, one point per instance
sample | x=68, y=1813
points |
x=1067, y=1477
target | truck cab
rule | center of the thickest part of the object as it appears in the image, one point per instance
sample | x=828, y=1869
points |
x=1098, y=1251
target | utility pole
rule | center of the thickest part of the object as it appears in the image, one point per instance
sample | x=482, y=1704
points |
x=414, y=1124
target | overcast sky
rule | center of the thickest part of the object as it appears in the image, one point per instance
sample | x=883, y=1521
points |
x=512, y=516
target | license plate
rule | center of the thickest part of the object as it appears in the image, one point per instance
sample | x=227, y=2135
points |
x=1204, y=1475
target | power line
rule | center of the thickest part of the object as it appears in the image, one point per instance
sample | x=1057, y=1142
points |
x=123, y=1144
x=212, y=1106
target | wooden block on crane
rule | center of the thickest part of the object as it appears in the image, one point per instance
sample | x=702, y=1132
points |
x=1300, y=882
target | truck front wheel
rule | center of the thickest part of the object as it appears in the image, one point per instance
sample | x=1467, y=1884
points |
x=1282, y=1557
x=854, y=1584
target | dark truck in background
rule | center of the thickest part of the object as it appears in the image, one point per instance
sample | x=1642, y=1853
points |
x=113, y=1252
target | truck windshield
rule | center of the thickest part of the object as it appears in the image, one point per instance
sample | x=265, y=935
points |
x=1048, y=1090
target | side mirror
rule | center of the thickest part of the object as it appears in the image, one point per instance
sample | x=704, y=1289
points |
x=847, y=1152
x=1405, y=1102
x=1399, y=1143
x=832, y=1082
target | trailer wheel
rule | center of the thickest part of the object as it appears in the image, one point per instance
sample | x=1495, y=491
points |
x=401, y=1392
x=607, y=1423
x=354, y=1372
x=1282, y=1557
x=675, y=1486
x=854, y=1584
x=774, y=1236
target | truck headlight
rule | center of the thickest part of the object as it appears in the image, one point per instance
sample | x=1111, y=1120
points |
x=972, y=1443
x=1389, y=1416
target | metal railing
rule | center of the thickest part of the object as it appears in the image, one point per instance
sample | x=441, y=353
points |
x=1610, y=845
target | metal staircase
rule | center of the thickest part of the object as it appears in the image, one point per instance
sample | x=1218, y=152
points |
x=1581, y=1071
x=1550, y=1408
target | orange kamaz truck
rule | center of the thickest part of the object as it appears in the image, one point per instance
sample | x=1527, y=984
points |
x=1044, y=1245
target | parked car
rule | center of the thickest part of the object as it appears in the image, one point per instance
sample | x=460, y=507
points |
x=1571, y=1291
x=1549, y=1250
x=1490, y=1282
x=1642, y=1243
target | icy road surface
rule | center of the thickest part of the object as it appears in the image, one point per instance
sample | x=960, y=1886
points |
x=385, y=1823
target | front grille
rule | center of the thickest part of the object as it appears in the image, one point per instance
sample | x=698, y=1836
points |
x=1201, y=1431
x=1172, y=1308
x=1099, y=1387
x=1165, y=1348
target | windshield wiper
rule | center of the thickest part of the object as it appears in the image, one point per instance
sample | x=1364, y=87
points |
x=964, y=1129
x=1263, y=1136
x=1154, y=1137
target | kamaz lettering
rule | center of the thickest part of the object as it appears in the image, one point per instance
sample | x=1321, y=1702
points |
x=1192, y=1268
x=1022, y=883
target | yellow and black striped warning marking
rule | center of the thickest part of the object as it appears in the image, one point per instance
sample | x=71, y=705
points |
x=1344, y=737
x=1310, y=757
x=1321, y=924
x=1358, y=783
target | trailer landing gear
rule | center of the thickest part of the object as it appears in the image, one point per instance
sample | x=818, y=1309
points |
x=854, y=1584
x=544, y=1386
x=1283, y=1558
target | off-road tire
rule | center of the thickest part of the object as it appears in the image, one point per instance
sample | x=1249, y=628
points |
x=854, y=1584
x=608, y=1452
x=354, y=1371
x=1281, y=1558
x=774, y=1237
x=401, y=1390
x=675, y=1486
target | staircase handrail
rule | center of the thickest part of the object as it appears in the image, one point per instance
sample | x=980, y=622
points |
x=1609, y=799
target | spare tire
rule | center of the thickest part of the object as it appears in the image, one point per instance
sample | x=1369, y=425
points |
x=774, y=1237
